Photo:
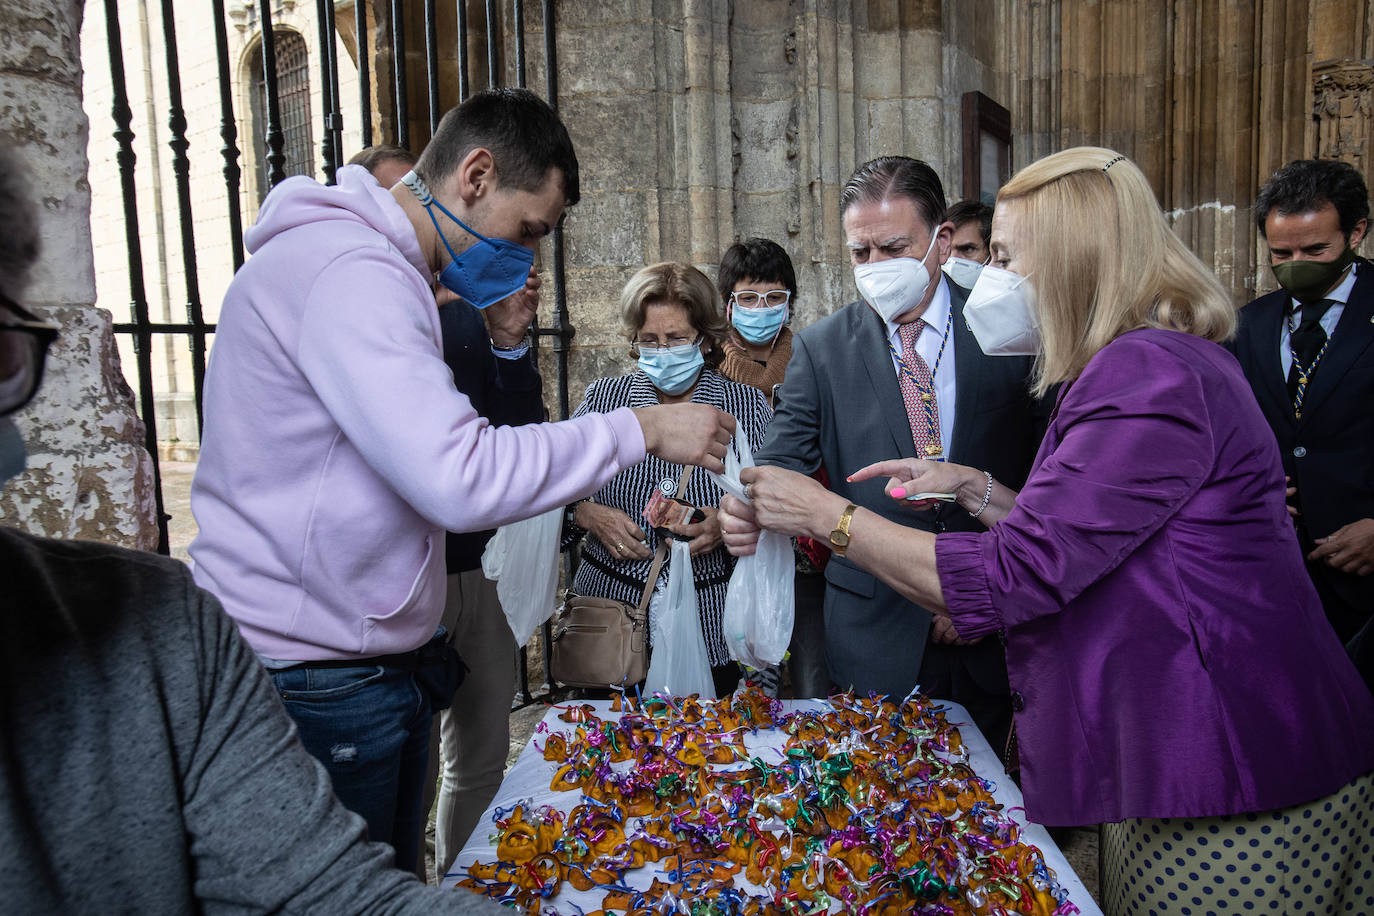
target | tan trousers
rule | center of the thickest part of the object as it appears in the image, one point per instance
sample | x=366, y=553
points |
x=473, y=737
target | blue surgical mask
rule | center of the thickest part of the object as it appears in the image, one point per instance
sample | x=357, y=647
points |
x=13, y=456
x=486, y=272
x=760, y=325
x=672, y=369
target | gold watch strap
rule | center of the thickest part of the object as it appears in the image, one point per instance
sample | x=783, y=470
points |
x=839, y=537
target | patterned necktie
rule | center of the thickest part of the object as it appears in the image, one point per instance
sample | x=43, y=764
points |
x=1307, y=342
x=918, y=393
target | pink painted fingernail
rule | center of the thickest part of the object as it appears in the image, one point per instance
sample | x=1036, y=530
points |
x=899, y=493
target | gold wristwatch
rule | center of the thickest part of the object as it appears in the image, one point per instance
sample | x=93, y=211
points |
x=839, y=537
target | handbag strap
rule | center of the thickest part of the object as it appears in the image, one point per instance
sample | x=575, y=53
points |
x=662, y=553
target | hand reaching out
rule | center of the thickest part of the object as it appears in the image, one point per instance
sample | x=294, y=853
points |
x=1349, y=548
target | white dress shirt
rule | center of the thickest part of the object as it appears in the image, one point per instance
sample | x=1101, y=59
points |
x=936, y=317
x=1339, y=296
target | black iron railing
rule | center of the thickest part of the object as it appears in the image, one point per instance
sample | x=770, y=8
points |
x=280, y=142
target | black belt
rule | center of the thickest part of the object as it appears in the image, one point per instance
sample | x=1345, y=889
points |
x=431, y=653
x=632, y=582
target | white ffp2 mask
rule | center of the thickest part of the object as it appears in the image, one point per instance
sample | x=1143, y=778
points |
x=1000, y=312
x=963, y=271
x=894, y=286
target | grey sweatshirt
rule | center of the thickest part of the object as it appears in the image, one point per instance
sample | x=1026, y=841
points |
x=147, y=765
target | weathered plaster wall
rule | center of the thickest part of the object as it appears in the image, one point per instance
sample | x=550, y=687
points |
x=89, y=475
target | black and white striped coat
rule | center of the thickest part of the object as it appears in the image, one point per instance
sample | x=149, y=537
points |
x=602, y=575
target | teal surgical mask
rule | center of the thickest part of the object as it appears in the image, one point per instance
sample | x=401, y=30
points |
x=759, y=325
x=672, y=369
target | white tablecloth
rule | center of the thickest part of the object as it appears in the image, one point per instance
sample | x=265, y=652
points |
x=529, y=780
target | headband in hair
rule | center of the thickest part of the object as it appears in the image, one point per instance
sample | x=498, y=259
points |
x=1112, y=163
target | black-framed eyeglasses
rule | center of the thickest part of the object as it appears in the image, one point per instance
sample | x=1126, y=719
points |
x=24, y=342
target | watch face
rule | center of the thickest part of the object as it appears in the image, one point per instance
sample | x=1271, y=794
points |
x=839, y=538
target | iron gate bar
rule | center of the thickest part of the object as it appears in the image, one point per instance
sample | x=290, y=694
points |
x=432, y=66
x=493, y=61
x=228, y=130
x=364, y=88
x=563, y=329
x=162, y=327
x=334, y=124
x=328, y=164
x=519, y=20
x=181, y=168
x=138, y=302
x=398, y=72
x=276, y=159
x=463, y=89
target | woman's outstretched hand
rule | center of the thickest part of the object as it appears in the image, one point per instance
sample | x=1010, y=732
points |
x=907, y=476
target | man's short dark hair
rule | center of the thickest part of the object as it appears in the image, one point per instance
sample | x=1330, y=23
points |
x=19, y=217
x=525, y=137
x=760, y=260
x=373, y=156
x=1307, y=185
x=966, y=211
x=896, y=176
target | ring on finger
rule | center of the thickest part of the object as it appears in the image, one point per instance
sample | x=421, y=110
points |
x=749, y=491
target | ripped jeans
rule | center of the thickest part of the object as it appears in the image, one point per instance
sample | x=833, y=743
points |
x=369, y=726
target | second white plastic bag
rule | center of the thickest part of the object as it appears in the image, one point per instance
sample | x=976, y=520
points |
x=522, y=558
x=678, y=665
x=760, y=604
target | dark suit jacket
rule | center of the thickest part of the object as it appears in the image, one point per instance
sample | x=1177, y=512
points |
x=508, y=392
x=840, y=405
x=1329, y=453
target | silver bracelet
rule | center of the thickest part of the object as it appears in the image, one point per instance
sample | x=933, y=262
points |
x=987, y=498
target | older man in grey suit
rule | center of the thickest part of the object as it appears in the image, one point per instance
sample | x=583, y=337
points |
x=899, y=374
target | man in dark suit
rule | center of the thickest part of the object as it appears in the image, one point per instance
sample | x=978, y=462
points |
x=901, y=375
x=1308, y=351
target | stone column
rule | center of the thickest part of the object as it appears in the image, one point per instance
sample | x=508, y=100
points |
x=89, y=476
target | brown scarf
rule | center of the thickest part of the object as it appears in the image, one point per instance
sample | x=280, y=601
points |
x=739, y=366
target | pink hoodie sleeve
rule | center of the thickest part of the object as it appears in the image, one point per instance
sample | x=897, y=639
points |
x=369, y=347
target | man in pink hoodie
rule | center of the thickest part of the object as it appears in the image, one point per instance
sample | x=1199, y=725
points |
x=337, y=452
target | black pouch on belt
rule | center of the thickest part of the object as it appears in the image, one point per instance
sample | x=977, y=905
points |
x=439, y=671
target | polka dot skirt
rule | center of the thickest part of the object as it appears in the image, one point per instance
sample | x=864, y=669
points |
x=1316, y=858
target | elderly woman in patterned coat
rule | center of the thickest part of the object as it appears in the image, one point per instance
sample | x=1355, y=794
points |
x=672, y=318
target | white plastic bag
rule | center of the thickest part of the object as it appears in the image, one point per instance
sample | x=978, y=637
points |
x=528, y=551
x=679, y=665
x=760, y=604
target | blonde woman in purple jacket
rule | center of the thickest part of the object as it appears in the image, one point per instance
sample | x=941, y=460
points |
x=1173, y=674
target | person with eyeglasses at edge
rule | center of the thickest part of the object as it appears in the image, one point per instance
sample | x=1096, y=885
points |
x=1308, y=351
x=148, y=765
x=969, y=246
x=673, y=322
x=336, y=451
x=758, y=285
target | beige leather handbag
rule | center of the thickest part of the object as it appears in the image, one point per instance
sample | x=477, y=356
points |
x=598, y=642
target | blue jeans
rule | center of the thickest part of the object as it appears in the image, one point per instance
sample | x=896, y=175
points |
x=370, y=728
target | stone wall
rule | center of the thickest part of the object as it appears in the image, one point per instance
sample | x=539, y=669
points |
x=89, y=475
x=698, y=123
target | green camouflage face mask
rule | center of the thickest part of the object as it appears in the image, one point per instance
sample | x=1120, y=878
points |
x=1308, y=281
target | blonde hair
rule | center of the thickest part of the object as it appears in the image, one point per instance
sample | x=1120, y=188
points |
x=675, y=283
x=1103, y=261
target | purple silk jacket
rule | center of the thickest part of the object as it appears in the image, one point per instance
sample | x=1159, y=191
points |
x=1167, y=653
